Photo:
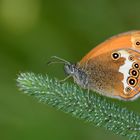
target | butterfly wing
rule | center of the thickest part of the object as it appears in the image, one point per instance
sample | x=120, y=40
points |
x=115, y=73
x=129, y=39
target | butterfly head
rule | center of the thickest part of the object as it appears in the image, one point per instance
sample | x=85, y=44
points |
x=70, y=69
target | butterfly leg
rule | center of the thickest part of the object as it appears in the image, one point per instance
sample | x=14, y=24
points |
x=62, y=81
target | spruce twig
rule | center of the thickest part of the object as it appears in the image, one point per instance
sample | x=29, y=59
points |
x=90, y=107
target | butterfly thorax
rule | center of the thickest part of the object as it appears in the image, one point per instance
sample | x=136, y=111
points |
x=79, y=75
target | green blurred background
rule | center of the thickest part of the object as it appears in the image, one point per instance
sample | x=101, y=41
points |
x=31, y=31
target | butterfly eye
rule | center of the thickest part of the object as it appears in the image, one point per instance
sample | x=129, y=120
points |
x=138, y=43
x=133, y=72
x=115, y=55
x=131, y=58
x=135, y=65
x=128, y=90
x=131, y=81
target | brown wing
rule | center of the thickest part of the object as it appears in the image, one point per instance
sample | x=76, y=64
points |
x=103, y=74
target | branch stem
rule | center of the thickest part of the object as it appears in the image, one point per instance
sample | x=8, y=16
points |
x=89, y=107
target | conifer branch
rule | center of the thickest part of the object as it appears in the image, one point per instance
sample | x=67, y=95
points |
x=91, y=107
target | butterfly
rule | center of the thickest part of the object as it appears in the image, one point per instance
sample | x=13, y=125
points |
x=111, y=69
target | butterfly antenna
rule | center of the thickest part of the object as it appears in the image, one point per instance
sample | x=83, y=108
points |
x=60, y=60
x=54, y=62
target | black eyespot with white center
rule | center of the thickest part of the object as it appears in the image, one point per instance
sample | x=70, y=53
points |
x=115, y=55
x=134, y=72
x=132, y=81
x=136, y=65
x=138, y=43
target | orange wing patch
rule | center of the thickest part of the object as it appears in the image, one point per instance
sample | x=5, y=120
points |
x=121, y=41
